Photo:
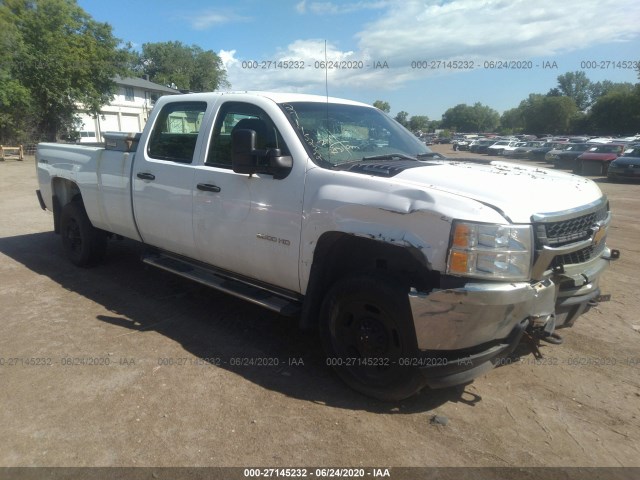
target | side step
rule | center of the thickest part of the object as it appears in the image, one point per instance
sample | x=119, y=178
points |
x=211, y=278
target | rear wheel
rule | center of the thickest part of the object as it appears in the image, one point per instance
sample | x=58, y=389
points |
x=83, y=244
x=367, y=333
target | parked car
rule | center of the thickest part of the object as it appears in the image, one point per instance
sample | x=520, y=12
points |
x=480, y=146
x=552, y=155
x=626, y=166
x=538, y=153
x=596, y=160
x=599, y=140
x=499, y=147
x=522, y=151
x=510, y=149
x=567, y=158
x=461, y=144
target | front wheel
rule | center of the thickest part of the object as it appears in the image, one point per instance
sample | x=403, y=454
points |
x=368, y=335
x=84, y=244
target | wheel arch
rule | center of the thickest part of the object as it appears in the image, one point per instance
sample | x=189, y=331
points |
x=63, y=191
x=338, y=254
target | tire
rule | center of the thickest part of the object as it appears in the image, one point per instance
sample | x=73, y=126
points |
x=366, y=327
x=83, y=244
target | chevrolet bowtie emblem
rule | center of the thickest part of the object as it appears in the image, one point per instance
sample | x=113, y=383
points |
x=598, y=234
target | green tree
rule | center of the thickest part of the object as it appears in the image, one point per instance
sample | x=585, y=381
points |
x=512, y=120
x=575, y=85
x=548, y=114
x=600, y=89
x=419, y=123
x=15, y=101
x=62, y=58
x=465, y=118
x=183, y=66
x=402, y=118
x=382, y=105
x=617, y=113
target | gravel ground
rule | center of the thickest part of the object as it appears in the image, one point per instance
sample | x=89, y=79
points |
x=124, y=365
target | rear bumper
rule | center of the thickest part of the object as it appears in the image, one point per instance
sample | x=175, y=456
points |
x=41, y=200
x=617, y=172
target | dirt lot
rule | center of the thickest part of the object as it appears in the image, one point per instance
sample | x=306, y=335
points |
x=109, y=366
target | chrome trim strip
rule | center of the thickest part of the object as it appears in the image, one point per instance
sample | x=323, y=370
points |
x=547, y=254
x=571, y=213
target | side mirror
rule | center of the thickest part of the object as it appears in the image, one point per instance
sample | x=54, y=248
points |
x=277, y=164
x=245, y=158
x=243, y=146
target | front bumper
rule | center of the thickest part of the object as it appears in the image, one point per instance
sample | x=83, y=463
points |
x=463, y=331
x=477, y=313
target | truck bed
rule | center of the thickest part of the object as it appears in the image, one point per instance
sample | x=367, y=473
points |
x=103, y=177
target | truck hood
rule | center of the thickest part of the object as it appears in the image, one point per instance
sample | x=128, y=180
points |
x=516, y=191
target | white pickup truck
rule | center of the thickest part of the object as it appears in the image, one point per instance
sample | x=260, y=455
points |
x=417, y=270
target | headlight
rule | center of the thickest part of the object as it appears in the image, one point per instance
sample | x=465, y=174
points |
x=490, y=251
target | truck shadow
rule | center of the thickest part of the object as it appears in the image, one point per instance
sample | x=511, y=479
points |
x=210, y=325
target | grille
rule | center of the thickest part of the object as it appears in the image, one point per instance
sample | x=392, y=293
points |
x=580, y=256
x=557, y=234
x=569, y=231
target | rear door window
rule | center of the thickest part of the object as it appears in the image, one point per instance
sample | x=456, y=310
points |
x=175, y=131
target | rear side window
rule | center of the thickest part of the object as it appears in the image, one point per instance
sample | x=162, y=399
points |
x=176, y=130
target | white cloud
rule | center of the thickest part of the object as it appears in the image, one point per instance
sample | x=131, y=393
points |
x=228, y=58
x=211, y=18
x=269, y=74
x=437, y=30
x=332, y=8
x=497, y=28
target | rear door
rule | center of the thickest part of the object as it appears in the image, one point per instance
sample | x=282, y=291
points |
x=163, y=177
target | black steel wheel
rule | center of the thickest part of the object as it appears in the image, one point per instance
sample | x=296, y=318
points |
x=369, y=338
x=83, y=244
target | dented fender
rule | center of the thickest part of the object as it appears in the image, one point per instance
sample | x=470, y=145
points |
x=384, y=210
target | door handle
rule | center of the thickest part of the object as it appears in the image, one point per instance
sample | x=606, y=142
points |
x=207, y=187
x=146, y=176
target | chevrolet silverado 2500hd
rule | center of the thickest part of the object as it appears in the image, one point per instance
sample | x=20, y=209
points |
x=417, y=270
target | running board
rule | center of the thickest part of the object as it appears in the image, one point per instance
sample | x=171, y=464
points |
x=213, y=279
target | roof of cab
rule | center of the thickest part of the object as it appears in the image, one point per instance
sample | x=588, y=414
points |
x=277, y=97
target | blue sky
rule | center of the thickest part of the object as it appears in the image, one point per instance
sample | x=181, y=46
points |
x=561, y=36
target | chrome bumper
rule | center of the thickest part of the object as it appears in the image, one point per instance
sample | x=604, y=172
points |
x=483, y=312
x=477, y=313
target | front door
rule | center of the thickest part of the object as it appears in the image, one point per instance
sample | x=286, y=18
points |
x=249, y=225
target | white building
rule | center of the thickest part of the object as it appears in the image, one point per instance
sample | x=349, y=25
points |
x=127, y=112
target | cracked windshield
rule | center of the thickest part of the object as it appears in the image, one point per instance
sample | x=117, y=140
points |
x=339, y=134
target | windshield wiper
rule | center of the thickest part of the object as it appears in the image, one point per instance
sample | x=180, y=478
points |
x=390, y=156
